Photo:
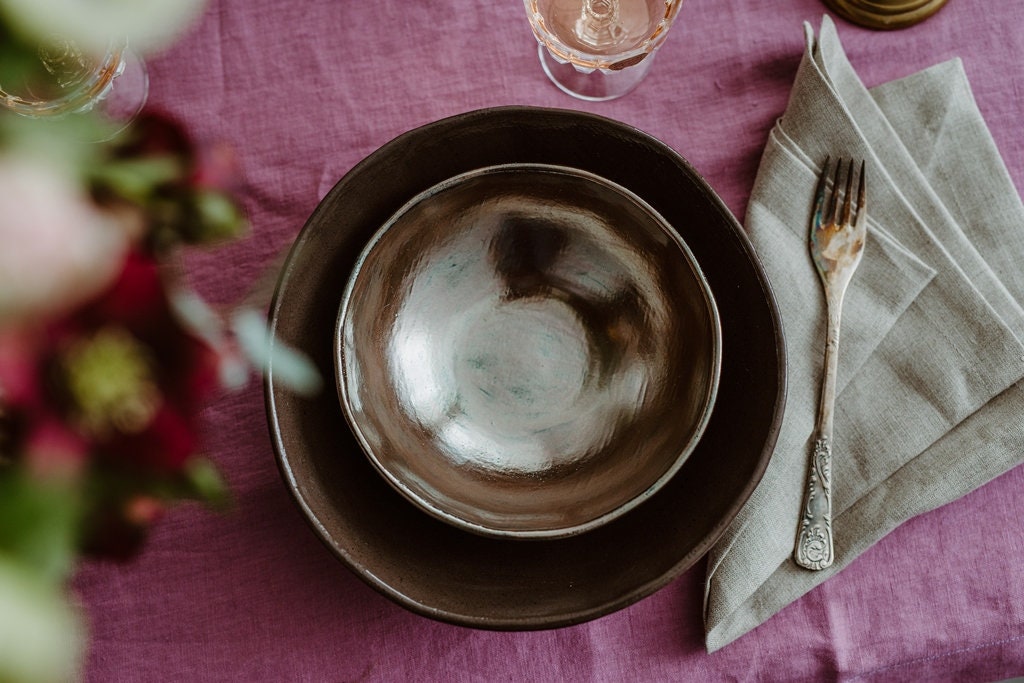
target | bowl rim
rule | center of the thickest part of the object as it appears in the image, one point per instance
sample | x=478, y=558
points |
x=707, y=400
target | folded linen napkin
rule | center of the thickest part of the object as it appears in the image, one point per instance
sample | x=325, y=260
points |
x=931, y=402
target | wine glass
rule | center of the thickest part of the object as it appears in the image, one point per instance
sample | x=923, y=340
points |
x=66, y=80
x=599, y=49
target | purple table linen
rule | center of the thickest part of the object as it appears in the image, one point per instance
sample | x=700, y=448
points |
x=303, y=91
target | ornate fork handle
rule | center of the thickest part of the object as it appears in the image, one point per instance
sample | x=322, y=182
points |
x=814, y=547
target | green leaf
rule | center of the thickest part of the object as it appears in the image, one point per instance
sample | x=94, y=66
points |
x=219, y=217
x=134, y=179
x=206, y=483
x=291, y=367
x=38, y=522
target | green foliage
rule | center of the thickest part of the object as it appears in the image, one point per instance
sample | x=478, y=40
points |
x=41, y=635
x=204, y=483
x=134, y=179
x=290, y=367
x=38, y=523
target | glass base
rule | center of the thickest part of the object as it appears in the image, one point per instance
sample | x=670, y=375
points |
x=126, y=97
x=594, y=86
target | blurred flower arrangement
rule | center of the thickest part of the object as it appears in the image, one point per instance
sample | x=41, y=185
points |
x=106, y=359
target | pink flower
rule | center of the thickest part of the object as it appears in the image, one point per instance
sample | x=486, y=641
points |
x=53, y=451
x=19, y=371
x=59, y=249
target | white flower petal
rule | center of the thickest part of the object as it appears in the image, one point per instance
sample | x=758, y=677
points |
x=148, y=25
x=58, y=248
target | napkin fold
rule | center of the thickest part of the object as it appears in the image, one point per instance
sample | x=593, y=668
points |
x=930, y=400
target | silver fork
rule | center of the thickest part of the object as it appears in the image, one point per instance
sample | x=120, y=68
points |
x=838, y=230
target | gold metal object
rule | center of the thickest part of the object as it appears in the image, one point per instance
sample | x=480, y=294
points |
x=885, y=14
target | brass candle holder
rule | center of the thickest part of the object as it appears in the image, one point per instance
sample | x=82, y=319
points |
x=885, y=14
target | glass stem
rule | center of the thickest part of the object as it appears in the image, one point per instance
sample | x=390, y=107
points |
x=599, y=25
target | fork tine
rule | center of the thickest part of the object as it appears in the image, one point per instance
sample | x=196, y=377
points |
x=833, y=203
x=848, y=195
x=819, y=193
x=862, y=182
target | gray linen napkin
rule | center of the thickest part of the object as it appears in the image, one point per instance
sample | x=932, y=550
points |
x=930, y=403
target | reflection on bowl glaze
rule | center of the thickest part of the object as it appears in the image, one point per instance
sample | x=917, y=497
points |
x=527, y=351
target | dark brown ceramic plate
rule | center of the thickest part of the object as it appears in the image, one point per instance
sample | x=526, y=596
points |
x=434, y=568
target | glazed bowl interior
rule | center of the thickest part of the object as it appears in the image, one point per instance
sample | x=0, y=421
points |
x=527, y=351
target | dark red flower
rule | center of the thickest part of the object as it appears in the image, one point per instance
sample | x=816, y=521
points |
x=156, y=133
x=123, y=375
x=163, y=447
x=137, y=297
x=117, y=527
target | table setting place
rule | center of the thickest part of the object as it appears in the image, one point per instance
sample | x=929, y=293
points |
x=563, y=340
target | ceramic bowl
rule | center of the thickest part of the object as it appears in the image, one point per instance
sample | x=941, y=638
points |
x=527, y=350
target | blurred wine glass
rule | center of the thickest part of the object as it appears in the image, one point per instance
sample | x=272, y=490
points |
x=599, y=49
x=65, y=80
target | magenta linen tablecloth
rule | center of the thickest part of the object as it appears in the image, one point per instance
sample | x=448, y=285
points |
x=303, y=91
